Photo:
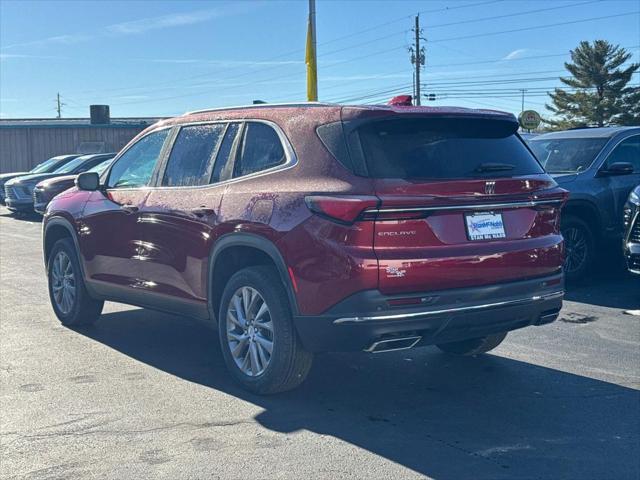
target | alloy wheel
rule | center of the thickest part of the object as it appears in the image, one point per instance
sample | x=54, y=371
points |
x=249, y=331
x=63, y=283
x=576, y=246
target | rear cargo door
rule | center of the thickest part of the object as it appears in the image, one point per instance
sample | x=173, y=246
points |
x=463, y=203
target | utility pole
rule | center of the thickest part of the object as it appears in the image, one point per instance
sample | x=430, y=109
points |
x=417, y=58
x=311, y=56
x=59, y=105
x=522, y=107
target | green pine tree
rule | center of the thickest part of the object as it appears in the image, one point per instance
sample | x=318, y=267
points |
x=599, y=93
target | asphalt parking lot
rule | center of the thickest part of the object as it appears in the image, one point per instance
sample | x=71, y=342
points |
x=145, y=395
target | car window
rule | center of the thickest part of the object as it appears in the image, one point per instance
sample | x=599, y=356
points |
x=135, y=167
x=444, y=149
x=191, y=159
x=566, y=155
x=71, y=166
x=101, y=167
x=261, y=149
x=224, y=154
x=45, y=166
x=86, y=166
x=627, y=151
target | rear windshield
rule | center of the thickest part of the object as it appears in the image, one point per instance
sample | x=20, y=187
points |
x=444, y=149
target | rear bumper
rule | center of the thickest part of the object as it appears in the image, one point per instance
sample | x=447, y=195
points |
x=444, y=316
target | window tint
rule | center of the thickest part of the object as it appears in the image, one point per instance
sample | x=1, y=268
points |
x=135, y=167
x=444, y=148
x=224, y=154
x=261, y=149
x=80, y=164
x=566, y=155
x=71, y=166
x=192, y=154
x=101, y=167
x=46, y=166
x=627, y=151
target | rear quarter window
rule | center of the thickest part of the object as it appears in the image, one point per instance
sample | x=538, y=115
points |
x=443, y=149
x=261, y=149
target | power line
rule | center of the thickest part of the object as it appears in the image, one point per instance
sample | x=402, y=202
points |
x=535, y=27
x=508, y=15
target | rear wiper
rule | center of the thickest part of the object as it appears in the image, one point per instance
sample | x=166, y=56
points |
x=494, y=167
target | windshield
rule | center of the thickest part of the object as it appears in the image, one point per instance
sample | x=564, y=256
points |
x=566, y=155
x=101, y=167
x=445, y=149
x=71, y=166
x=45, y=166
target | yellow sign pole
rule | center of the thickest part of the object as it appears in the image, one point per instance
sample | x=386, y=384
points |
x=310, y=58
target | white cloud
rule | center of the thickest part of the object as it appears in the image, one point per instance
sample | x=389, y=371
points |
x=515, y=54
x=140, y=26
x=11, y=56
x=143, y=25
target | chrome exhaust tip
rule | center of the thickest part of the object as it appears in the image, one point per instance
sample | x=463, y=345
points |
x=393, y=344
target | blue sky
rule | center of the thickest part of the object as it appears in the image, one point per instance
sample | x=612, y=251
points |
x=148, y=58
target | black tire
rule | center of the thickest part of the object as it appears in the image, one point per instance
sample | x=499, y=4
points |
x=289, y=362
x=84, y=310
x=579, y=245
x=473, y=346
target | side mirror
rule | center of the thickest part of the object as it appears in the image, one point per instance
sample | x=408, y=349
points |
x=618, y=168
x=89, y=181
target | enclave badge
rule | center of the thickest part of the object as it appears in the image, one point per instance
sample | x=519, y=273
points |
x=489, y=188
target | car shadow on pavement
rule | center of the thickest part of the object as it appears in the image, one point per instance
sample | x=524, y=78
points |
x=22, y=217
x=608, y=285
x=441, y=416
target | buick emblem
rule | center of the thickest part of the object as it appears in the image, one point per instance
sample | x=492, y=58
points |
x=489, y=188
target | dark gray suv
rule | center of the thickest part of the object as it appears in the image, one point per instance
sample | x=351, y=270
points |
x=599, y=167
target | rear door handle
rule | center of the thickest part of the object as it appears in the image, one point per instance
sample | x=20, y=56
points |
x=129, y=208
x=203, y=211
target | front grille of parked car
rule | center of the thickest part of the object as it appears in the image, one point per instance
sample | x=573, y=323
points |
x=9, y=193
x=17, y=193
x=634, y=236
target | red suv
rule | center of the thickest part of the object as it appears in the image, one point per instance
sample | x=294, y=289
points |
x=317, y=227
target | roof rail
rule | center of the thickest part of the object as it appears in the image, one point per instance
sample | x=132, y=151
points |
x=262, y=105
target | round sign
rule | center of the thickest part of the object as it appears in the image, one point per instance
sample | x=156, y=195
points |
x=529, y=119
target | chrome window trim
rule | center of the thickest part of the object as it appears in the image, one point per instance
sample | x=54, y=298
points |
x=484, y=206
x=291, y=160
x=428, y=313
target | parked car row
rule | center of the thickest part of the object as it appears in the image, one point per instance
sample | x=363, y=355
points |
x=26, y=192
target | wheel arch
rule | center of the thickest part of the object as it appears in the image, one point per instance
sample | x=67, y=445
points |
x=235, y=251
x=55, y=229
x=586, y=211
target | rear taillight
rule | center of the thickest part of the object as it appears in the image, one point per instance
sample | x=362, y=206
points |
x=344, y=209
